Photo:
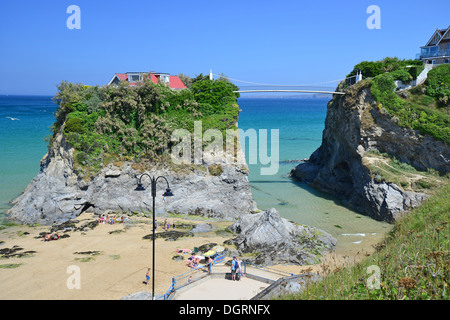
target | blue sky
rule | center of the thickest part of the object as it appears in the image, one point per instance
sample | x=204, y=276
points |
x=282, y=42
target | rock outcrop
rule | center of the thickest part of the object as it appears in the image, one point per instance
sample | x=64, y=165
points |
x=276, y=240
x=355, y=124
x=59, y=192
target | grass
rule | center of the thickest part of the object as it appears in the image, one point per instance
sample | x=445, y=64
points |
x=413, y=261
x=4, y=224
x=88, y=256
x=10, y=265
x=386, y=168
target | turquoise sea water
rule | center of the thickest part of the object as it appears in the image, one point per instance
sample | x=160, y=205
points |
x=22, y=143
x=300, y=123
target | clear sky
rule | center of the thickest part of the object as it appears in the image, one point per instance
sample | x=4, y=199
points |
x=281, y=42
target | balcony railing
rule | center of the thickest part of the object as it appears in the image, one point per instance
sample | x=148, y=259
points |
x=439, y=53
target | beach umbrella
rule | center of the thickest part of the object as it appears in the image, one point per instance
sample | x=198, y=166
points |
x=218, y=249
x=209, y=253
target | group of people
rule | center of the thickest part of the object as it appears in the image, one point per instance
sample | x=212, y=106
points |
x=51, y=236
x=166, y=225
x=110, y=219
x=194, y=261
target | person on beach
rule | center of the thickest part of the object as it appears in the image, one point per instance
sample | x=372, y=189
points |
x=234, y=268
x=147, y=276
x=239, y=271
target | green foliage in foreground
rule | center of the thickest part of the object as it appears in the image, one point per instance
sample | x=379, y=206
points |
x=106, y=124
x=414, y=261
x=424, y=108
x=438, y=84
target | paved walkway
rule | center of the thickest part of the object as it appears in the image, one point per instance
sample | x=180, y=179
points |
x=223, y=289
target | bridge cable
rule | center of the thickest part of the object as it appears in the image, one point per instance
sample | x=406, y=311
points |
x=282, y=85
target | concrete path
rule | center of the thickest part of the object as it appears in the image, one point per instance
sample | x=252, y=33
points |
x=223, y=289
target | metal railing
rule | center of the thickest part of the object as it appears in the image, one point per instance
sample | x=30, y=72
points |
x=189, y=277
x=204, y=271
x=438, y=53
x=266, y=269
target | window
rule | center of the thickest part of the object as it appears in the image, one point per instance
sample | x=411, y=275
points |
x=134, y=77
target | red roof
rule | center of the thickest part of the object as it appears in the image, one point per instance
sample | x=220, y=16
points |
x=122, y=76
x=153, y=78
x=174, y=81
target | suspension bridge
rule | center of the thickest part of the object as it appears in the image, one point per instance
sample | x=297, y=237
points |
x=318, y=88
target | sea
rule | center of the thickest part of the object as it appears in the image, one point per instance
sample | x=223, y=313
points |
x=296, y=123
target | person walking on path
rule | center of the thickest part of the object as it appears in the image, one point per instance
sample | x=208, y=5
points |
x=239, y=270
x=234, y=268
x=147, y=276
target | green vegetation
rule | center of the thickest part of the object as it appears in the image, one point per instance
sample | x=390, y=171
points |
x=384, y=167
x=134, y=123
x=88, y=255
x=438, y=84
x=215, y=170
x=425, y=108
x=4, y=224
x=413, y=260
x=405, y=70
x=10, y=265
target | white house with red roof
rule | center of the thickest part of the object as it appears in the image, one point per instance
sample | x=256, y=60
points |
x=173, y=82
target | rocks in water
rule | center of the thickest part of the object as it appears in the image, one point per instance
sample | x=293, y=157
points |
x=355, y=124
x=276, y=240
x=389, y=201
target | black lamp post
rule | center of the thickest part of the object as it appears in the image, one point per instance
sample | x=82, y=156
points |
x=168, y=193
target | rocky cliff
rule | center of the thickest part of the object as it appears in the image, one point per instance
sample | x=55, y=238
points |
x=59, y=192
x=355, y=125
x=275, y=240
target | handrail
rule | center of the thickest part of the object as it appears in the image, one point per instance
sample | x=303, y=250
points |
x=177, y=284
x=178, y=279
x=434, y=54
x=266, y=269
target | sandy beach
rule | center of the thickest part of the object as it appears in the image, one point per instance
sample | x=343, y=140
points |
x=116, y=270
